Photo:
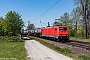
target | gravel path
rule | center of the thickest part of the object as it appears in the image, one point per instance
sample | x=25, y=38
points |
x=37, y=51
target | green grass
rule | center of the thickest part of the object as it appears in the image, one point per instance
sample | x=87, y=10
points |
x=80, y=39
x=64, y=51
x=12, y=50
x=84, y=57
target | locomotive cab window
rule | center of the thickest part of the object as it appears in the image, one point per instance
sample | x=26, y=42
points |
x=61, y=28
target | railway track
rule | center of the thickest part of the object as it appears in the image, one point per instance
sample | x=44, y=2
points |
x=82, y=48
x=84, y=45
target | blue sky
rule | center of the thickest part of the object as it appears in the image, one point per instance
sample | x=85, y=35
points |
x=32, y=9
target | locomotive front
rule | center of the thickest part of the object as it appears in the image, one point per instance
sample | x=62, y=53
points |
x=63, y=33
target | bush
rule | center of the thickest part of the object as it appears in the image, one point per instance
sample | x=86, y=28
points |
x=1, y=39
x=72, y=31
x=10, y=34
x=10, y=39
x=14, y=39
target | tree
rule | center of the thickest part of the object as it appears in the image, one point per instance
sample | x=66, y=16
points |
x=75, y=14
x=14, y=22
x=56, y=23
x=61, y=20
x=64, y=19
x=1, y=31
x=3, y=26
x=1, y=18
x=85, y=9
x=30, y=27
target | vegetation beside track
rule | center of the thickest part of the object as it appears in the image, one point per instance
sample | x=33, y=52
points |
x=12, y=48
x=64, y=51
x=80, y=39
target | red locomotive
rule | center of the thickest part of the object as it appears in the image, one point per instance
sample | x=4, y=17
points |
x=57, y=33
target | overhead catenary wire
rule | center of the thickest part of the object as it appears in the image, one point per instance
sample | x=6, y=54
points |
x=47, y=10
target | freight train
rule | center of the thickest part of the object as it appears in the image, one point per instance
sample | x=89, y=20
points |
x=57, y=33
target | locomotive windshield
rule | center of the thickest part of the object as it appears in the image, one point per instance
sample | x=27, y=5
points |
x=62, y=28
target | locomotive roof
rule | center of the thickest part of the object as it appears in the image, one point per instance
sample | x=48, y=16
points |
x=54, y=27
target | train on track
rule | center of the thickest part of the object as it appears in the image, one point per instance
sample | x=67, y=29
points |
x=57, y=33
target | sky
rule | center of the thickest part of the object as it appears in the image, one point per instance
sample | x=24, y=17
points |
x=32, y=9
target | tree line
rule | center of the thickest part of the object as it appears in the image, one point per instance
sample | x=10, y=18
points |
x=78, y=21
x=11, y=24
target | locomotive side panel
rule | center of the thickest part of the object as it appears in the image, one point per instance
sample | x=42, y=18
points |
x=51, y=32
x=44, y=32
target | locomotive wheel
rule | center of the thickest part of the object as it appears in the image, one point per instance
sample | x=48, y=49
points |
x=51, y=39
x=57, y=40
x=64, y=41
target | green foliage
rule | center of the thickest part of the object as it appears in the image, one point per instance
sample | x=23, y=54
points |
x=1, y=18
x=84, y=6
x=10, y=39
x=84, y=57
x=80, y=39
x=80, y=31
x=10, y=34
x=3, y=27
x=30, y=27
x=14, y=39
x=12, y=23
x=64, y=19
x=72, y=31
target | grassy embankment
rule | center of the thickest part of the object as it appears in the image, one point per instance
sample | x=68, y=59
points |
x=12, y=48
x=80, y=39
x=64, y=51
